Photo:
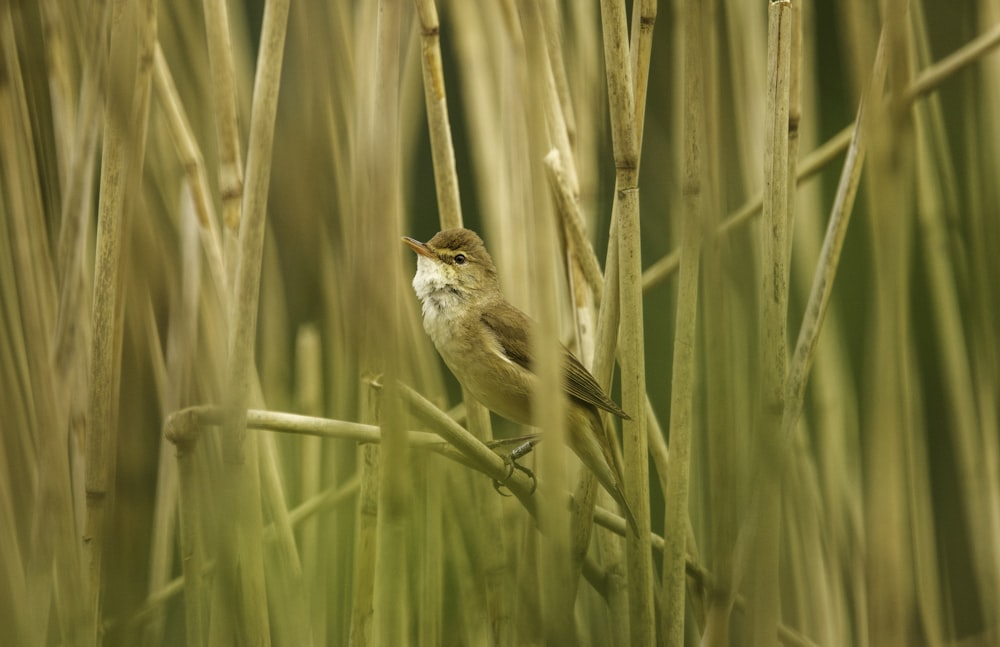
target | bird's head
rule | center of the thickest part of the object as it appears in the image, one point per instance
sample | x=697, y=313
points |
x=453, y=267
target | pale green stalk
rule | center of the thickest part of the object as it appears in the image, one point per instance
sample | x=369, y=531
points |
x=602, y=367
x=77, y=202
x=566, y=541
x=626, y=154
x=682, y=379
x=61, y=91
x=241, y=484
x=986, y=358
x=442, y=150
x=176, y=369
x=765, y=513
x=125, y=124
x=794, y=111
x=284, y=569
x=890, y=407
x=553, y=19
x=746, y=36
x=556, y=573
x=488, y=542
x=507, y=227
x=391, y=613
x=826, y=270
x=220, y=58
x=982, y=516
x=723, y=437
x=825, y=520
x=309, y=400
x=479, y=53
x=363, y=580
x=194, y=165
x=572, y=219
x=641, y=49
x=543, y=26
x=184, y=430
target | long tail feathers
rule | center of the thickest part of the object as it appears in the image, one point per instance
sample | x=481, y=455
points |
x=594, y=448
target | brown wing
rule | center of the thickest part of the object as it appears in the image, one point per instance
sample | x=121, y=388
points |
x=581, y=385
x=510, y=326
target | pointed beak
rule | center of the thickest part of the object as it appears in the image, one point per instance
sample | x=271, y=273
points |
x=418, y=247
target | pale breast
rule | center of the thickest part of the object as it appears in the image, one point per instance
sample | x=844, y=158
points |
x=476, y=361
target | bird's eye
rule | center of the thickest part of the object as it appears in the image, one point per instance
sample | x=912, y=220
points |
x=459, y=259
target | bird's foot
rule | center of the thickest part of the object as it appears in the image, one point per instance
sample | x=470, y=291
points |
x=510, y=460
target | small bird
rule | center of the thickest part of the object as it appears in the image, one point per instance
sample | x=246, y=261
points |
x=486, y=342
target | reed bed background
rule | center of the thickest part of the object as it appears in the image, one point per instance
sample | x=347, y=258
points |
x=223, y=423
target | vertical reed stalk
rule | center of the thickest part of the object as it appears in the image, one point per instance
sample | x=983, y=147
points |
x=391, y=616
x=890, y=411
x=442, y=149
x=826, y=269
x=545, y=126
x=243, y=561
x=125, y=121
x=764, y=612
x=181, y=339
x=625, y=144
x=602, y=367
x=309, y=398
x=220, y=58
x=682, y=381
x=183, y=431
x=194, y=165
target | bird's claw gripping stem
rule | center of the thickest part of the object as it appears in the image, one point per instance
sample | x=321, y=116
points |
x=510, y=461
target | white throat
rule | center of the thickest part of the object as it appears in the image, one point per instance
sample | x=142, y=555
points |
x=439, y=298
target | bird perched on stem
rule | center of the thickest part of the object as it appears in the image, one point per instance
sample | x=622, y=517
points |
x=486, y=342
